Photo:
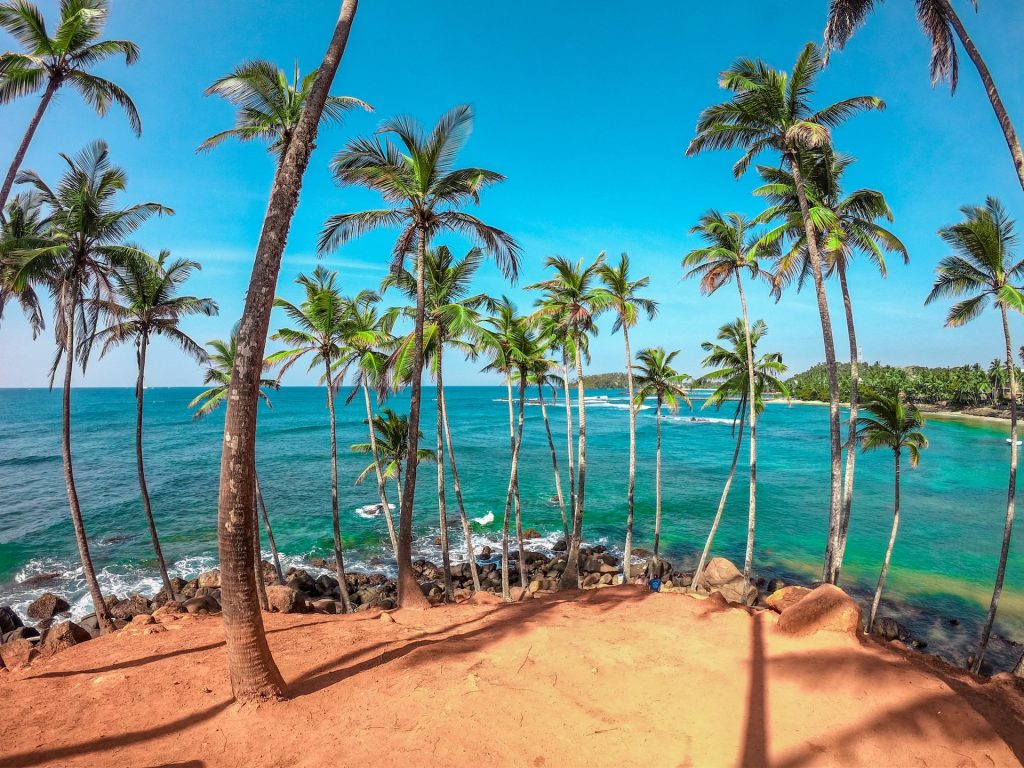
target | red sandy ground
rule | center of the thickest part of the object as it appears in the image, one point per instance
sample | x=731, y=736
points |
x=616, y=677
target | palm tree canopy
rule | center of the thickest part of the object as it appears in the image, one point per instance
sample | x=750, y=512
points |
x=624, y=294
x=269, y=106
x=392, y=437
x=731, y=246
x=891, y=423
x=221, y=362
x=655, y=377
x=66, y=56
x=573, y=298
x=983, y=264
x=21, y=229
x=730, y=372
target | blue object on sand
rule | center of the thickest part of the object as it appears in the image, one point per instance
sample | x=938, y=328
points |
x=655, y=585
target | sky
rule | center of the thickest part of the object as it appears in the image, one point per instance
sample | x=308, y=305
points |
x=586, y=108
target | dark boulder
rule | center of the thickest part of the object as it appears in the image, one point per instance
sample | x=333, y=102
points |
x=9, y=620
x=21, y=633
x=285, y=600
x=62, y=636
x=197, y=605
x=41, y=579
x=531, y=533
x=775, y=585
x=560, y=546
x=130, y=607
x=302, y=581
x=46, y=606
x=888, y=628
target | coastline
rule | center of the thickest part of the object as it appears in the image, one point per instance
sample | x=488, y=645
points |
x=981, y=414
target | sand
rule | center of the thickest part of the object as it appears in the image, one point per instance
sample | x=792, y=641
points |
x=609, y=677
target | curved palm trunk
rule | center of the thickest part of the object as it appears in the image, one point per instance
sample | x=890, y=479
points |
x=270, y=531
x=554, y=460
x=254, y=675
x=569, y=448
x=339, y=556
x=382, y=489
x=512, y=482
x=144, y=490
x=888, y=550
x=721, y=503
x=463, y=517
x=19, y=156
x=442, y=506
x=1011, y=494
x=835, y=447
x=519, y=501
x=571, y=574
x=851, y=430
x=627, y=554
x=748, y=558
x=102, y=611
x=657, y=486
x=261, y=586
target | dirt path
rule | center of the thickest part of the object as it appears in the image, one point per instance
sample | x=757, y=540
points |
x=613, y=677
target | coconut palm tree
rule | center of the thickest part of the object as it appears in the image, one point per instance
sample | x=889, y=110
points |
x=428, y=193
x=392, y=441
x=628, y=305
x=269, y=107
x=49, y=63
x=891, y=423
x=939, y=21
x=983, y=268
x=571, y=302
x=771, y=110
x=21, y=229
x=318, y=335
x=730, y=374
x=542, y=377
x=221, y=362
x=732, y=248
x=655, y=377
x=846, y=224
x=145, y=304
x=997, y=379
x=85, y=233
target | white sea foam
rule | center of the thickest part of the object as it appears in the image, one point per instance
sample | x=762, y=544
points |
x=484, y=519
x=371, y=511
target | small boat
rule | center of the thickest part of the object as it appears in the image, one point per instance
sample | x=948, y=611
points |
x=1019, y=442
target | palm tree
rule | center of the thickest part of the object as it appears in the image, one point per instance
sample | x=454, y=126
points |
x=221, y=362
x=655, y=377
x=319, y=334
x=428, y=192
x=254, y=675
x=389, y=447
x=731, y=376
x=541, y=377
x=997, y=378
x=269, y=107
x=845, y=225
x=85, y=232
x=896, y=425
x=732, y=248
x=23, y=228
x=571, y=302
x=983, y=268
x=146, y=304
x=452, y=319
x=771, y=109
x=939, y=21
x=48, y=63
x=627, y=304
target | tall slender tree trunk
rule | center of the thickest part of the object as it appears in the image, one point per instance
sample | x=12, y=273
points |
x=442, y=506
x=270, y=531
x=339, y=555
x=748, y=558
x=512, y=482
x=1016, y=154
x=144, y=490
x=571, y=574
x=554, y=460
x=253, y=673
x=1011, y=495
x=409, y=593
x=463, y=517
x=851, y=429
x=519, y=501
x=382, y=489
x=569, y=446
x=627, y=555
x=102, y=611
x=19, y=156
x=888, y=550
x=657, y=485
x=261, y=586
x=835, y=447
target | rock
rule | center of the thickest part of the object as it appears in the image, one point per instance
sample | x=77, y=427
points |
x=142, y=619
x=783, y=598
x=327, y=585
x=17, y=654
x=888, y=628
x=531, y=533
x=775, y=585
x=560, y=546
x=90, y=624
x=954, y=622
x=324, y=606
x=46, y=606
x=518, y=594
x=203, y=603
x=535, y=586
x=63, y=636
x=826, y=609
x=657, y=569
x=130, y=607
x=719, y=572
x=210, y=579
x=284, y=599
x=387, y=618
x=591, y=580
x=170, y=608
x=41, y=579
x=21, y=633
x=9, y=620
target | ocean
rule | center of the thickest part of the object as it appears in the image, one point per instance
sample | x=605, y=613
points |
x=944, y=563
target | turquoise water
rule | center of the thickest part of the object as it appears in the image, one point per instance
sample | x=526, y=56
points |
x=944, y=562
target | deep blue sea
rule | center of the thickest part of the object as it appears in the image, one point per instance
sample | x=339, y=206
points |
x=943, y=566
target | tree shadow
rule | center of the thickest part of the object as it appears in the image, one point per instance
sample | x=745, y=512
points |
x=755, y=737
x=139, y=662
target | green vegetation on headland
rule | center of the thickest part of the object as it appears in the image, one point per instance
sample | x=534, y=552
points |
x=603, y=381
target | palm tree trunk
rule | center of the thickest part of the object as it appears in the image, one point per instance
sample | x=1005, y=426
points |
x=1011, y=494
x=147, y=507
x=627, y=555
x=409, y=593
x=517, y=500
x=261, y=587
x=748, y=558
x=657, y=486
x=253, y=673
x=851, y=430
x=721, y=503
x=1016, y=154
x=513, y=475
x=19, y=156
x=571, y=575
x=382, y=489
x=569, y=447
x=102, y=611
x=270, y=531
x=835, y=447
x=554, y=460
x=463, y=517
x=519, y=503
x=339, y=556
x=888, y=550
x=442, y=506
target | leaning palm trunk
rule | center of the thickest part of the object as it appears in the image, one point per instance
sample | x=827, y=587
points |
x=888, y=550
x=19, y=156
x=569, y=447
x=1011, y=493
x=261, y=586
x=143, y=489
x=748, y=558
x=270, y=531
x=442, y=506
x=463, y=517
x=518, y=499
x=657, y=485
x=627, y=555
x=382, y=489
x=571, y=575
x=554, y=460
x=102, y=610
x=512, y=484
x=851, y=439
x=254, y=675
x=835, y=447
x=339, y=556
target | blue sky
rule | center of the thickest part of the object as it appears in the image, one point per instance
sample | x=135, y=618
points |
x=587, y=111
